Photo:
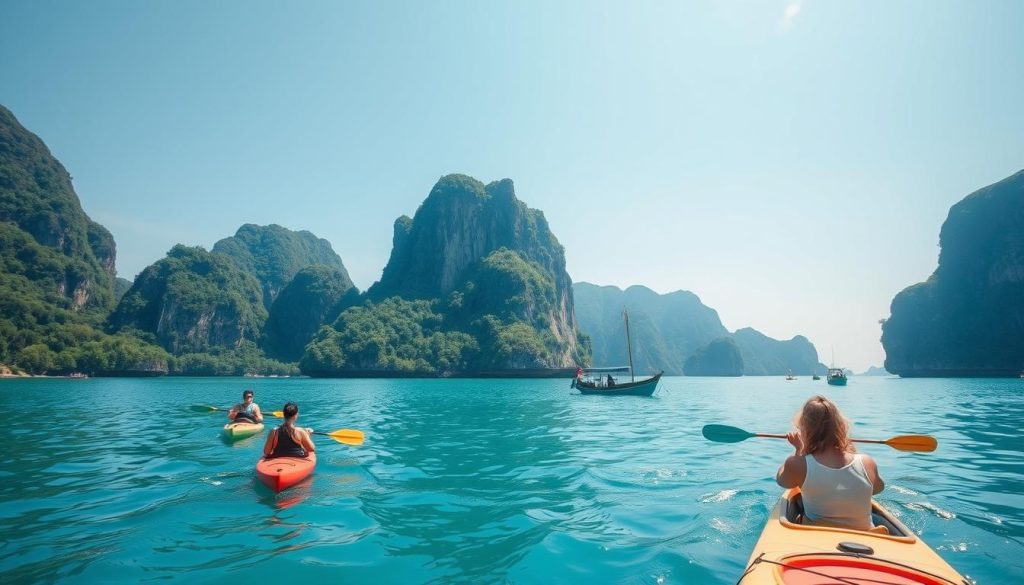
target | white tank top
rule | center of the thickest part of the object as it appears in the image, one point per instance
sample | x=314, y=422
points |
x=838, y=497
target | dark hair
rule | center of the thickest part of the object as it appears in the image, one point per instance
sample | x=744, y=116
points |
x=246, y=393
x=291, y=409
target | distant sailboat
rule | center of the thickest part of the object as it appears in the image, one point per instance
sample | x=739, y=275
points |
x=609, y=386
x=836, y=376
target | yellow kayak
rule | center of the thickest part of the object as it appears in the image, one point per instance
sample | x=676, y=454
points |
x=240, y=430
x=789, y=553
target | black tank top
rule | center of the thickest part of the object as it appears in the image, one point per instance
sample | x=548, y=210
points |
x=286, y=447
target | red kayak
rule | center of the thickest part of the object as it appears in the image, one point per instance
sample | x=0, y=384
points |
x=281, y=473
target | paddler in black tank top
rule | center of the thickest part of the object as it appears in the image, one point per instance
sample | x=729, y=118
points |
x=289, y=440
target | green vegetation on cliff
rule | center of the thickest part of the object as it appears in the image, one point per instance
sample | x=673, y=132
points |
x=221, y=361
x=56, y=271
x=393, y=335
x=37, y=198
x=497, y=320
x=191, y=301
x=967, y=319
x=274, y=254
x=314, y=297
x=476, y=282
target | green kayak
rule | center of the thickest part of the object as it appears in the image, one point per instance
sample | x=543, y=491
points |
x=241, y=430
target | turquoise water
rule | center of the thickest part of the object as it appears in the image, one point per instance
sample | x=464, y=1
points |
x=481, y=481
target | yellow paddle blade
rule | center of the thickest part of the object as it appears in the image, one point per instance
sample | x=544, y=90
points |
x=278, y=413
x=347, y=436
x=922, y=443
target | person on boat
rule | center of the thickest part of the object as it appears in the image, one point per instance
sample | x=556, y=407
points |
x=289, y=440
x=247, y=411
x=578, y=378
x=611, y=381
x=836, y=482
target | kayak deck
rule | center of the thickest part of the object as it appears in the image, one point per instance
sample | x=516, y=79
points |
x=791, y=553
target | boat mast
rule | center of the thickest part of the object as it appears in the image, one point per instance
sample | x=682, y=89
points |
x=629, y=345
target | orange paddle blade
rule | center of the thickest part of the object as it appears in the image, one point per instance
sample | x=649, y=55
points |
x=922, y=443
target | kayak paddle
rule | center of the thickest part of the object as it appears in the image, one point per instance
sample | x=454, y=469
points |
x=727, y=434
x=205, y=408
x=346, y=436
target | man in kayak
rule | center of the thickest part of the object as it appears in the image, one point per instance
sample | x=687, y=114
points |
x=836, y=482
x=289, y=440
x=246, y=412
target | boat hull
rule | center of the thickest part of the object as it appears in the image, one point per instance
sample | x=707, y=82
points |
x=641, y=388
x=837, y=381
x=791, y=553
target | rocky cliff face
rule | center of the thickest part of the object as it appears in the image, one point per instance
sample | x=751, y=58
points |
x=36, y=196
x=464, y=230
x=274, y=254
x=967, y=319
x=192, y=301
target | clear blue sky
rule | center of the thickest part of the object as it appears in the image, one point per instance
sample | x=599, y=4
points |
x=789, y=162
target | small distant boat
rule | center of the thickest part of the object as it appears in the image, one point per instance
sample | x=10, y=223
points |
x=790, y=376
x=80, y=376
x=815, y=377
x=608, y=386
x=836, y=377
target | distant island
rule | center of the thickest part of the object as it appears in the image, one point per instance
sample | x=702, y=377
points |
x=875, y=371
x=674, y=330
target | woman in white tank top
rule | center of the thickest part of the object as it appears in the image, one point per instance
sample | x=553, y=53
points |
x=836, y=482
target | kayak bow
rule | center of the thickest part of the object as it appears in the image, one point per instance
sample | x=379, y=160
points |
x=281, y=473
x=789, y=553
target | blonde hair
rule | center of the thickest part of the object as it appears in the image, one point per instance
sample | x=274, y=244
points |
x=822, y=426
